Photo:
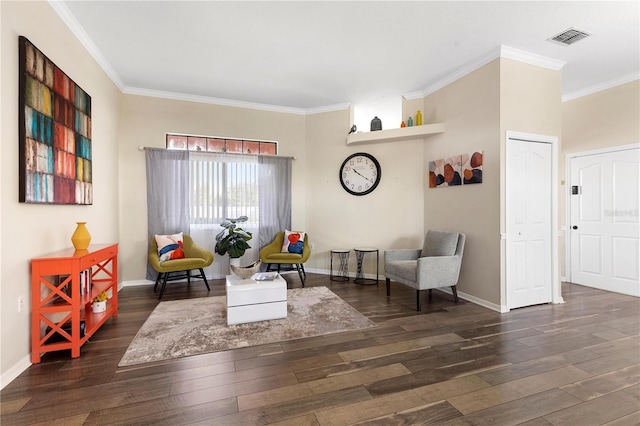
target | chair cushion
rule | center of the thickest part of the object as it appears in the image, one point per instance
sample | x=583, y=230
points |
x=282, y=258
x=439, y=243
x=170, y=247
x=183, y=264
x=405, y=269
x=293, y=242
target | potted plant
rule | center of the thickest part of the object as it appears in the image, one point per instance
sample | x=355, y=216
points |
x=233, y=239
x=99, y=302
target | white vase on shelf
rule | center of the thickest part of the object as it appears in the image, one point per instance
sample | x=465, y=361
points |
x=98, y=307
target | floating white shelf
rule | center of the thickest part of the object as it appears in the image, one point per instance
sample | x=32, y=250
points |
x=403, y=133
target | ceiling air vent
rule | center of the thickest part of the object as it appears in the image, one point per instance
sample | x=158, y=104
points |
x=569, y=36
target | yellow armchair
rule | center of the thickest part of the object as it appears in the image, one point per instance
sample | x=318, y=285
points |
x=271, y=254
x=195, y=258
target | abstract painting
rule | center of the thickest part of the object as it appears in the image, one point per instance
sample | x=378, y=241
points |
x=472, y=167
x=456, y=170
x=445, y=172
x=436, y=173
x=55, y=133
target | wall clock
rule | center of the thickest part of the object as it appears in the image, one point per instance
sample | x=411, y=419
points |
x=360, y=173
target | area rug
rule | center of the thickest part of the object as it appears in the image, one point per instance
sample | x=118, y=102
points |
x=189, y=327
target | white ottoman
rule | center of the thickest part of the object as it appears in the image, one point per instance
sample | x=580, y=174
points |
x=249, y=300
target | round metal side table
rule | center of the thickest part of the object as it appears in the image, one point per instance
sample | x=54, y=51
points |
x=360, y=278
x=343, y=272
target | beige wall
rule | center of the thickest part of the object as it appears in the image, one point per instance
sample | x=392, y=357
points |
x=470, y=109
x=144, y=121
x=602, y=119
x=530, y=99
x=29, y=230
x=389, y=217
x=530, y=102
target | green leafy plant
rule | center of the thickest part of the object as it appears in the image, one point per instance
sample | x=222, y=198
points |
x=233, y=239
x=101, y=297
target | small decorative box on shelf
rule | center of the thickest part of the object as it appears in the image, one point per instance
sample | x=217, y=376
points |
x=63, y=286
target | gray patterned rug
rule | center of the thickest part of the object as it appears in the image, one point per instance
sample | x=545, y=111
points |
x=183, y=328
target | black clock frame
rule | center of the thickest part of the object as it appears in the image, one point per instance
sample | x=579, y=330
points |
x=378, y=173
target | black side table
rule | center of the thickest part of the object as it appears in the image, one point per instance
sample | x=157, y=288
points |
x=360, y=279
x=343, y=272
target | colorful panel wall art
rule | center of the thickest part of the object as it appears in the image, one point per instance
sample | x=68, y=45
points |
x=55, y=133
x=456, y=170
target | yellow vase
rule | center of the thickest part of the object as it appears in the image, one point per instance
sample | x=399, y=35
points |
x=81, y=237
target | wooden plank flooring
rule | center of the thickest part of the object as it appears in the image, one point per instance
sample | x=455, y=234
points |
x=572, y=364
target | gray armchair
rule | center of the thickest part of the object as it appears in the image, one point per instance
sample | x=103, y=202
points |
x=436, y=265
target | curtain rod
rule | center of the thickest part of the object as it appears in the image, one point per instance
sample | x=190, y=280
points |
x=142, y=148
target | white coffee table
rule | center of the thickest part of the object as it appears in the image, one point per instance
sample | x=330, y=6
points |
x=249, y=300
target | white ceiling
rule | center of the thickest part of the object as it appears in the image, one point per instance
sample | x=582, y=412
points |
x=307, y=56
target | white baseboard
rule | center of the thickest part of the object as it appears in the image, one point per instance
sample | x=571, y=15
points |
x=352, y=275
x=489, y=305
x=15, y=371
x=134, y=283
x=476, y=300
x=461, y=294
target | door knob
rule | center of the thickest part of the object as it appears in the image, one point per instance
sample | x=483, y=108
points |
x=574, y=227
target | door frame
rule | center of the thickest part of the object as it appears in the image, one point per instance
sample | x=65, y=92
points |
x=567, y=220
x=556, y=288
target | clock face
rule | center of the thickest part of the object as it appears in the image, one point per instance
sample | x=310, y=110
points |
x=360, y=173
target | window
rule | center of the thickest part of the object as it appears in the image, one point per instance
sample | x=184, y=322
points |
x=217, y=144
x=223, y=186
x=195, y=190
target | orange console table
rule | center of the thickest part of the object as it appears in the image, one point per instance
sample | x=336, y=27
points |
x=61, y=297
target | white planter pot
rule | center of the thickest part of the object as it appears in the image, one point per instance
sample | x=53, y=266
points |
x=97, y=307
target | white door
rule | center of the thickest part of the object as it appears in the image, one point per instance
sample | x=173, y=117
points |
x=529, y=195
x=604, y=241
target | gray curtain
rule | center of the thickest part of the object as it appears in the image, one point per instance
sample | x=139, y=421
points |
x=167, y=194
x=274, y=189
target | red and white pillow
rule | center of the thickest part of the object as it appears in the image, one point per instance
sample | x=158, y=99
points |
x=170, y=247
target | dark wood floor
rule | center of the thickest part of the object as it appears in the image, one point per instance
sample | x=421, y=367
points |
x=571, y=364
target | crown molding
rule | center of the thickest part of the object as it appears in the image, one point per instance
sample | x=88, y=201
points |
x=531, y=58
x=413, y=95
x=602, y=86
x=462, y=71
x=72, y=23
x=495, y=53
x=211, y=100
x=328, y=108
x=231, y=103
